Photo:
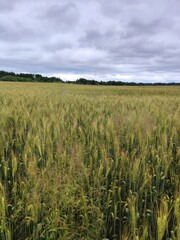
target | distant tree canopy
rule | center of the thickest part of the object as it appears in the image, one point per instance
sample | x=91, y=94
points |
x=29, y=77
x=10, y=78
x=117, y=83
x=26, y=77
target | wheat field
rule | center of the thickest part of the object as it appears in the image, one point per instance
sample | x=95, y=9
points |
x=89, y=162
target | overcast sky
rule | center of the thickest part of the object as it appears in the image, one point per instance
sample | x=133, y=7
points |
x=130, y=40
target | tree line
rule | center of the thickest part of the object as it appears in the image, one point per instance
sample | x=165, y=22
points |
x=26, y=77
x=118, y=83
x=29, y=77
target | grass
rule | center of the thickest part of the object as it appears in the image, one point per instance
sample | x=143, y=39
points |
x=89, y=162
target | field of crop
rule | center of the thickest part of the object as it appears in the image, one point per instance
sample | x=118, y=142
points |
x=89, y=163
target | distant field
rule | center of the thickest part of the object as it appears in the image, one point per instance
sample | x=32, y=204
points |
x=89, y=162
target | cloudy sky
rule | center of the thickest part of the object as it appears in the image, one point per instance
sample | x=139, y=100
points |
x=129, y=40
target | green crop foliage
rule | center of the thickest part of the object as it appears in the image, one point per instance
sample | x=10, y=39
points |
x=89, y=162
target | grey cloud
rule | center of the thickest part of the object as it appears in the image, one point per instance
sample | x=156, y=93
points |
x=62, y=16
x=61, y=10
x=7, y=5
x=136, y=27
x=92, y=38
